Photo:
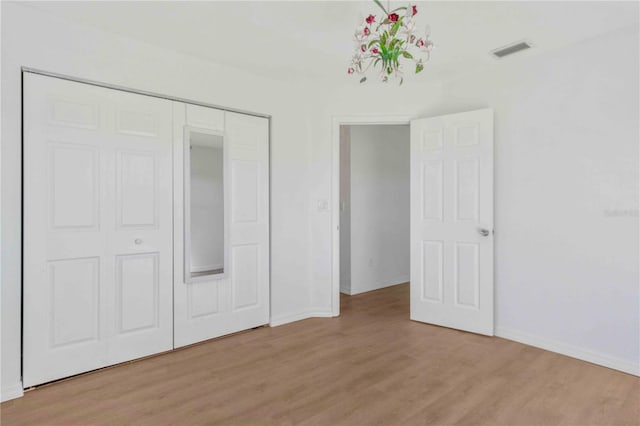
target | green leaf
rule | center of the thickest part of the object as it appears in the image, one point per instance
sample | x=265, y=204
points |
x=376, y=62
x=419, y=67
x=363, y=79
x=401, y=80
x=381, y=6
x=395, y=55
x=383, y=50
x=396, y=27
x=372, y=42
x=407, y=55
x=396, y=43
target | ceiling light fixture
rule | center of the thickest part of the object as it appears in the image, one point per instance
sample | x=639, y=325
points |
x=390, y=40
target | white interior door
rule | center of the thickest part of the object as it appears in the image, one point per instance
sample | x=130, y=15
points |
x=211, y=306
x=452, y=221
x=97, y=227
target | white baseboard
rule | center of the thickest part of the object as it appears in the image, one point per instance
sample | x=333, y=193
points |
x=345, y=290
x=397, y=281
x=321, y=313
x=570, y=350
x=286, y=319
x=299, y=316
x=11, y=392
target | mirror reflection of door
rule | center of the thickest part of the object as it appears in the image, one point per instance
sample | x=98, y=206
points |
x=206, y=206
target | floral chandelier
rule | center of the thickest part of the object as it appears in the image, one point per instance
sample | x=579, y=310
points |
x=389, y=41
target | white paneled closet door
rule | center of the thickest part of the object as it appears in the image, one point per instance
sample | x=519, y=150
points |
x=97, y=227
x=211, y=307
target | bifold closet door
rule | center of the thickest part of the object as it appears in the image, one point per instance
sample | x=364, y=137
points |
x=212, y=306
x=97, y=227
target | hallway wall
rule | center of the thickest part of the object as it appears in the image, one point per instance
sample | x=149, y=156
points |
x=379, y=206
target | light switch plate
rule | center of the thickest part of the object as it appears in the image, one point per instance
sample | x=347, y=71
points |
x=323, y=205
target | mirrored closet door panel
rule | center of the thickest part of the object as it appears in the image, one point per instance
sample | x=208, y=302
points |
x=221, y=232
x=205, y=241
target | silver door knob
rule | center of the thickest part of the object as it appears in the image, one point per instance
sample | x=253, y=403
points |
x=483, y=232
x=138, y=241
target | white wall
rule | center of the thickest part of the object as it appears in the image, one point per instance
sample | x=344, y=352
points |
x=33, y=39
x=379, y=165
x=345, y=209
x=207, y=208
x=566, y=188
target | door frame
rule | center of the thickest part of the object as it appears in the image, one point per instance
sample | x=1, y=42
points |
x=336, y=122
x=25, y=69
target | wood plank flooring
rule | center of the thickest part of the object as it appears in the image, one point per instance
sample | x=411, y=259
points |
x=370, y=366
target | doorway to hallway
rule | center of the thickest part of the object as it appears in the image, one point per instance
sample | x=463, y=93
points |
x=374, y=207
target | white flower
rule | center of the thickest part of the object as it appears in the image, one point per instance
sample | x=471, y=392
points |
x=362, y=33
x=428, y=45
x=356, y=61
x=408, y=29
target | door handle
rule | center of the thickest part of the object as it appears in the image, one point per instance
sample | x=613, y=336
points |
x=484, y=232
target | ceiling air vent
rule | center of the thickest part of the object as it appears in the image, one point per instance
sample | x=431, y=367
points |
x=511, y=49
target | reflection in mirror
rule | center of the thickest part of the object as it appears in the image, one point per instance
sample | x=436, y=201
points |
x=206, y=205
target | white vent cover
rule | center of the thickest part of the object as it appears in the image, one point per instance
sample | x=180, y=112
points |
x=510, y=49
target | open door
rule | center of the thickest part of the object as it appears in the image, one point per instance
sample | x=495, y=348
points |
x=452, y=221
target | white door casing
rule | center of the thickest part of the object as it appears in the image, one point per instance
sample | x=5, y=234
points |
x=451, y=209
x=210, y=308
x=97, y=227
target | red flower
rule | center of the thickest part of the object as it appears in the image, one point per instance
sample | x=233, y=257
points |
x=363, y=48
x=420, y=43
x=350, y=71
x=393, y=17
x=414, y=10
x=375, y=50
x=366, y=31
x=371, y=19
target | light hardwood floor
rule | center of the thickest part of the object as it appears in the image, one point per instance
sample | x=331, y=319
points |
x=370, y=366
